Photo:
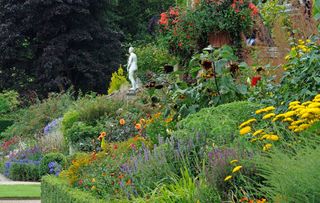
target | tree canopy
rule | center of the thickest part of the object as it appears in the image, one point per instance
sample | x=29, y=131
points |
x=49, y=45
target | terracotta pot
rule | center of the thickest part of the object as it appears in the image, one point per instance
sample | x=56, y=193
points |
x=219, y=38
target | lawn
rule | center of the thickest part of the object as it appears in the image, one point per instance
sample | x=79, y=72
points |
x=20, y=191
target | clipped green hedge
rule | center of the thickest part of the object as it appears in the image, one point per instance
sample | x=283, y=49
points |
x=54, y=190
x=219, y=124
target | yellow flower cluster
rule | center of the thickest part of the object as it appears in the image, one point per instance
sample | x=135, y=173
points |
x=260, y=134
x=234, y=170
x=301, y=116
x=301, y=48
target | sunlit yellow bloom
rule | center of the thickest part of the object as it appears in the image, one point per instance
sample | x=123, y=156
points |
x=269, y=108
x=317, y=97
x=294, y=103
x=273, y=137
x=258, y=132
x=270, y=115
x=305, y=115
x=259, y=111
x=316, y=100
x=289, y=114
x=308, y=40
x=292, y=127
x=306, y=103
x=314, y=105
x=247, y=122
x=287, y=120
x=297, y=122
x=264, y=136
x=300, y=42
x=236, y=169
x=227, y=178
x=93, y=187
x=233, y=161
x=304, y=126
x=245, y=130
x=266, y=147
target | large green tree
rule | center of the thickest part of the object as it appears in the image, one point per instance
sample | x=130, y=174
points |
x=49, y=45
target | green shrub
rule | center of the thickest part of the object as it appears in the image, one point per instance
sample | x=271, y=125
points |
x=51, y=157
x=69, y=119
x=8, y=101
x=24, y=172
x=218, y=124
x=54, y=189
x=81, y=132
x=32, y=120
x=117, y=80
x=153, y=58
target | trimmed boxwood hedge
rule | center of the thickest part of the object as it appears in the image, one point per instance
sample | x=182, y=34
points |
x=54, y=190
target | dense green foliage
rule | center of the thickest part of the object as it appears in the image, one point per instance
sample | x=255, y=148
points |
x=218, y=124
x=118, y=79
x=57, y=190
x=8, y=101
x=24, y=172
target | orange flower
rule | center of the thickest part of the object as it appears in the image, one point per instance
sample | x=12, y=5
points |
x=136, y=138
x=122, y=121
x=121, y=176
x=138, y=126
x=129, y=182
x=102, y=135
x=168, y=120
x=115, y=147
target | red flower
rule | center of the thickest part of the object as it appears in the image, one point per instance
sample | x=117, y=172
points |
x=255, y=80
x=115, y=147
x=180, y=44
x=80, y=182
x=163, y=19
x=173, y=12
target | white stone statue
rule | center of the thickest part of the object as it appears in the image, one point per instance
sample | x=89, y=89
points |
x=132, y=66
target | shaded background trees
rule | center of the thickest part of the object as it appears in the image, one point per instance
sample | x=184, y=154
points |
x=49, y=45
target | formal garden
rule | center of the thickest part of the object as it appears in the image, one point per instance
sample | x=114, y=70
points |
x=216, y=101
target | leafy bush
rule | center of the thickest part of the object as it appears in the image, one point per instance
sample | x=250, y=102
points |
x=117, y=80
x=51, y=157
x=8, y=101
x=32, y=120
x=57, y=190
x=152, y=58
x=216, y=85
x=301, y=80
x=81, y=134
x=24, y=170
x=219, y=124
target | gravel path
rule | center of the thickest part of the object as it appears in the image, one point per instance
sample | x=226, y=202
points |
x=5, y=181
x=3, y=178
x=20, y=201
